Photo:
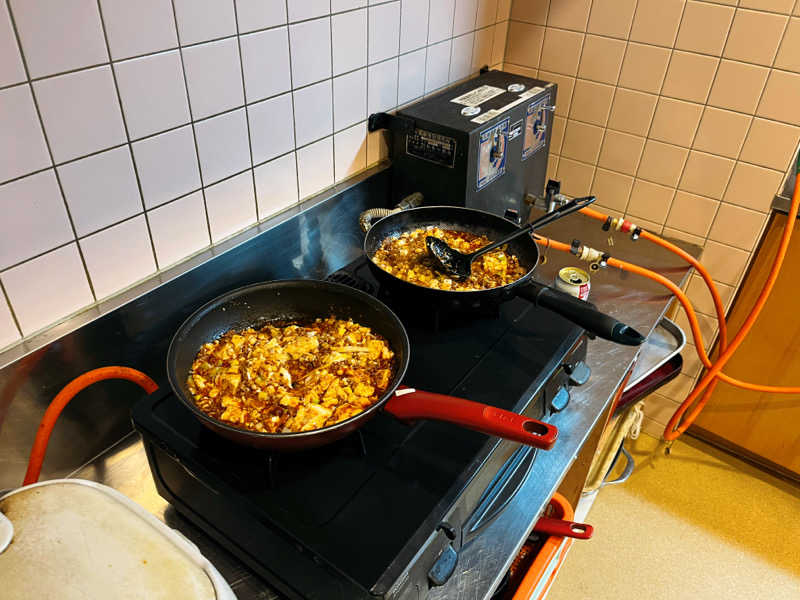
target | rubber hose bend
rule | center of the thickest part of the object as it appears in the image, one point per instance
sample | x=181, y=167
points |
x=62, y=399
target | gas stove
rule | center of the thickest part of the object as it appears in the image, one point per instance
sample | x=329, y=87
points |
x=385, y=511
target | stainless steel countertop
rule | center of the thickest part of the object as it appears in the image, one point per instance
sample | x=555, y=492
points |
x=636, y=301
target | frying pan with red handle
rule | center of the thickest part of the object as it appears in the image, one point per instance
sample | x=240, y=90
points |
x=304, y=300
x=524, y=248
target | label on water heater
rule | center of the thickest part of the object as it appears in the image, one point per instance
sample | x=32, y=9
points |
x=433, y=147
x=535, y=127
x=492, y=153
x=478, y=96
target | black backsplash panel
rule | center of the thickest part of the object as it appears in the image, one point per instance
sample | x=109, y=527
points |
x=312, y=244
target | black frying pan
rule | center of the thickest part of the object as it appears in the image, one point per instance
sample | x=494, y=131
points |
x=304, y=300
x=493, y=227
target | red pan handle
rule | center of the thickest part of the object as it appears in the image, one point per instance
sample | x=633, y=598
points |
x=409, y=404
x=561, y=528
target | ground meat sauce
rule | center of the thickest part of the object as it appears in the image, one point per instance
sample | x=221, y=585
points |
x=406, y=256
x=291, y=377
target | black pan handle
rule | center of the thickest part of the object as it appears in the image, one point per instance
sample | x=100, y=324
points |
x=581, y=313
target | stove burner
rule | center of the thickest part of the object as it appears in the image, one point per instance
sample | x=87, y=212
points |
x=343, y=276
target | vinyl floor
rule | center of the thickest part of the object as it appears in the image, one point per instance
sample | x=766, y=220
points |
x=696, y=524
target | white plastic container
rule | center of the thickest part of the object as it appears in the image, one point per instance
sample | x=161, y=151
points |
x=74, y=539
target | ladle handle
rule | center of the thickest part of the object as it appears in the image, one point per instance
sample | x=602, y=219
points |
x=570, y=207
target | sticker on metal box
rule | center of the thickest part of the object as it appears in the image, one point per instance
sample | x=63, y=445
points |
x=492, y=153
x=478, y=96
x=535, y=127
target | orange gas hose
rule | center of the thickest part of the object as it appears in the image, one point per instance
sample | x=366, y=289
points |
x=690, y=313
x=712, y=288
x=62, y=399
x=675, y=427
x=677, y=424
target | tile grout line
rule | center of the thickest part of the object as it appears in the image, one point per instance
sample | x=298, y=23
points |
x=366, y=74
x=294, y=119
x=234, y=109
x=751, y=252
x=614, y=98
x=333, y=108
x=647, y=136
x=14, y=319
x=572, y=96
x=138, y=214
x=426, y=46
x=246, y=111
x=272, y=27
x=192, y=123
x=50, y=151
x=127, y=135
x=399, y=37
x=705, y=107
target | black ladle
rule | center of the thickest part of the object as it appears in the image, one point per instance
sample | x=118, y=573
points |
x=459, y=265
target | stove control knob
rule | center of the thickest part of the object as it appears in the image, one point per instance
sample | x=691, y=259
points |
x=560, y=399
x=579, y=372
x=443, y=567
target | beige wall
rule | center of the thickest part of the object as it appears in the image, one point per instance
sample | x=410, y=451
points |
x=681, y=116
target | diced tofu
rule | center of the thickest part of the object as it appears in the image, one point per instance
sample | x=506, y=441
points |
x=363, y=389
x=302, y=345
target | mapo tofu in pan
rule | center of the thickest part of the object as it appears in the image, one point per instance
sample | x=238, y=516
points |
x=406, y=257
x=290, y=377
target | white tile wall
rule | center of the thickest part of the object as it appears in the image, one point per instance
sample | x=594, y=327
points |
x=80, y=112
x=465, y=15
x=382, y=87
x=34, y=218
x=8, y=329
x=384, y=31
x=315, y=167
x=310, y=43
x=25, y=151
x=411, y=76
x=414, y=13
x=349, y=99
x=265, y=63
x=437, y=67
x=222, y=146
x=349, y=41
x=134, y=134
x=62, y=270
x=276, y=184
x=179, y=229
x=167, y=166
x=351, y=151
x=203, y=20
x=260, y=14
x=271, y=127
x=231, y=206
x=308, y=9
x=214, y=77
x=153, y=93
x=11, y=68
x=313, y=112
x=118, y=256
x=59, y=36
x=135, y=28
x=100, y=190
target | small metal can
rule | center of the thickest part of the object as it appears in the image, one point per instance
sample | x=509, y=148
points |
x=573, y=281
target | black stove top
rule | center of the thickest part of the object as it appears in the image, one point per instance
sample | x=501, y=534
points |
x=356, y=518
